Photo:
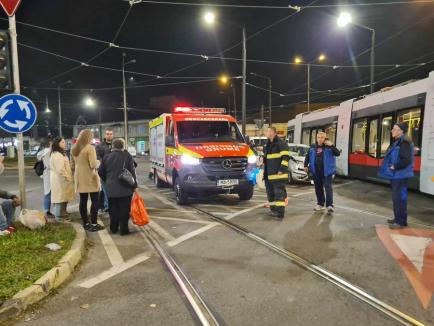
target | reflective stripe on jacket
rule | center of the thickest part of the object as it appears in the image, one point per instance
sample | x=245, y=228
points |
x=392, y=158
x=276, y=160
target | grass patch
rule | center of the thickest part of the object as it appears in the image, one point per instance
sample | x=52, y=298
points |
x=24, y=258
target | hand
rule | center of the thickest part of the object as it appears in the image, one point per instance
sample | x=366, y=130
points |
x=328, y=143
x=16, y=201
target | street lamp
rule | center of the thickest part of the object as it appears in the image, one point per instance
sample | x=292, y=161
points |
x=91, y=103
x=47, y=108
x=59, y=85
x=125, y=95
x=343, y=20
x=299, y=60
x=269, y=94
x=209, y=18
x=224, y=79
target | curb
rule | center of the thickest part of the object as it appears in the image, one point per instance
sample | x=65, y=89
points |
x=49, y=281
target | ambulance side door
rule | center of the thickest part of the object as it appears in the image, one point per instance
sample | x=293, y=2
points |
x=170, y=149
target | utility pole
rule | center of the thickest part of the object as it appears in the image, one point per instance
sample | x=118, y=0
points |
x=308, y=87
x=125, y=101
x=235, y=101
x=60, y=111
x=243, y=98
x=269, y=100
x=262, y=120
x=372, y=59
x=17, y=90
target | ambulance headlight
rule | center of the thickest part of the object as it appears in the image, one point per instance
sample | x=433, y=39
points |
x=189, y=160
x=251, y=159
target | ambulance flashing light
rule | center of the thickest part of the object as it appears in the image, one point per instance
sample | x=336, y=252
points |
x=183, y=109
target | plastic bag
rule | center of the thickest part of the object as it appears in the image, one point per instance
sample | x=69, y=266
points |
x=139, y=215
x=32, y=219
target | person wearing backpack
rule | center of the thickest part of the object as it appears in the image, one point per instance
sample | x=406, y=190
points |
x=43, y=164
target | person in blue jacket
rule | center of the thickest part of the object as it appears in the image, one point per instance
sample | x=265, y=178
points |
x=321, y=161
x=398, y=168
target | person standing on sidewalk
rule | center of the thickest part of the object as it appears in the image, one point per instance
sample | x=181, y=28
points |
x=44, y=156
x=119, y=193
x=276, y=160
x=61, y=180
x=84, y=164
x=102, y=150
x=7, y=208
x=321, y=161
x=398, y=167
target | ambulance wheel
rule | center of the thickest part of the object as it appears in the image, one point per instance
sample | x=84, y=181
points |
x=180, y=194
x=246, y=194
x=157, y=181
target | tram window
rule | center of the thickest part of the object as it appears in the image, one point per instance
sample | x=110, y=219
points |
x=412, y=119
x=359, y=137
x=386, y=128
x=305, y=137
x=330, y=131
x=373, y=132
x=313, y=134
x=290, y=136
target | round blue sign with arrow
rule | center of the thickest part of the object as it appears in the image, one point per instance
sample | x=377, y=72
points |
x=17, y=113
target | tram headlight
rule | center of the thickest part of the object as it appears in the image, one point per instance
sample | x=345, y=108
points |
x=189, y=160
x=251, y=159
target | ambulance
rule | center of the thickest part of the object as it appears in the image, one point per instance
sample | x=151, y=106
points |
x=200, y=152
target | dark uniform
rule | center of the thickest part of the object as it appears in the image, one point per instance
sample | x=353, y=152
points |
x=276, y=160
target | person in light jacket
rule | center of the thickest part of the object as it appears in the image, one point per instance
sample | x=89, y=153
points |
x=44, y=156
x=61, y=181
x=119, y=194
x=84, y=164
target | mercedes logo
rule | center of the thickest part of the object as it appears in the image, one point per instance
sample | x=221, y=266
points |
x=227, y=164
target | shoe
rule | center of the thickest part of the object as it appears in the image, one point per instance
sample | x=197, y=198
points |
x=49, y=215
x=105, y=210
x=267, y=205
x=391, y=221
x=125, y=233
x=86, y=226
x=276, y=214
x=5, y=232
x=396, y=226
x=330, y=209
x=11, y=229
x=319, y=208
x=96, y=228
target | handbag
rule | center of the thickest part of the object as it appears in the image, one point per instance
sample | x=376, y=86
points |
x=126, y=177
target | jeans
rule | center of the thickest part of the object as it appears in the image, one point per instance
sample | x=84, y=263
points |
x=47, y=202
x=7, y=214
x=104, y=195
x=60, y=211
x=399, y=197
x=119, y=211
x=93, y=208
x=321, y=183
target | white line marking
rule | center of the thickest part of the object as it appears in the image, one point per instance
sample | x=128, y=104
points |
x=161, y=231
x=191, y=234
x=220, y=213
x=27, y=190
x=110, y=247
x=313, y=191
x=114, y=270
x=243, y=211
x=178, y=219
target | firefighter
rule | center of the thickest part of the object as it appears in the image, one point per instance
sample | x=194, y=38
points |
x=276, y=159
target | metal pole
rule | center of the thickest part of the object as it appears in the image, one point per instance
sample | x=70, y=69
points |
x=243, y=98
x=17, y=90
x=125, y=102
x=60, y=112
x=269, y=101
x=372, y=60
x=100, y=126
x=235, y=102
x=308, y=87
x=262, y=120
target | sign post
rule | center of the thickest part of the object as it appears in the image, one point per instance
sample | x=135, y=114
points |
x=10, y=7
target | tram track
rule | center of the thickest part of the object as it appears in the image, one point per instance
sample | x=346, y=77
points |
x=352, y=289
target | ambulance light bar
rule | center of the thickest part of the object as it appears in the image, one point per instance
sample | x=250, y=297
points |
x=182, y=109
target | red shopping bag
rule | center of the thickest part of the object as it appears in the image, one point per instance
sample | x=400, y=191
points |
x=139, y=215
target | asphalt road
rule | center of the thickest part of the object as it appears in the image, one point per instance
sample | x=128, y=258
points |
x=122, y=280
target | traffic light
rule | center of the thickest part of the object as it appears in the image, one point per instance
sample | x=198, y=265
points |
x=5, y=67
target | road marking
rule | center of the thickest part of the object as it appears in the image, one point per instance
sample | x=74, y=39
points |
x=110, y=247
x=334, y=187
x=231, y=216
x=114, y=270
x=413, y=249
x=192, y=234
x=27, y=190
x=178, y=219
x=220, y=213
x=166, y=235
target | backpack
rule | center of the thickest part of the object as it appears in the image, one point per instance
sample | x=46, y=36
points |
x=39, y=168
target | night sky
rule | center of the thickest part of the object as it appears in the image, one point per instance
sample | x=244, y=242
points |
x=405, y=34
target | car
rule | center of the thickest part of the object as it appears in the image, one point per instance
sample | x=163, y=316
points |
x=132, y=150
x=297, y=154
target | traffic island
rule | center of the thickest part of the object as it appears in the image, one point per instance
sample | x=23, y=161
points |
x=29, y=270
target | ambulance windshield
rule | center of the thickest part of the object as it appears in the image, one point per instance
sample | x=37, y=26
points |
x=208, y=131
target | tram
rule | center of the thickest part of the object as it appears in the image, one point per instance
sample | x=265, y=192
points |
x=361, y=128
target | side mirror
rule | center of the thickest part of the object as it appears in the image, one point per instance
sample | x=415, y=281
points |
x=170, y=141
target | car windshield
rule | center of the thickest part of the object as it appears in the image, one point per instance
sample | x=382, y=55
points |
x=298, y=150
x=208, y=131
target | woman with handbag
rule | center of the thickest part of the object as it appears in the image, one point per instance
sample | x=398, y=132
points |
x=84, y=164
x=61, y=181
x=118, y=174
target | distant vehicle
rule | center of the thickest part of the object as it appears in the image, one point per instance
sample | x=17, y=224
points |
x=132, y=150
x=259, y=144
x=297, y=153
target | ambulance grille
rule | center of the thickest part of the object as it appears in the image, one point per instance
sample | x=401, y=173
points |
x=224, y=164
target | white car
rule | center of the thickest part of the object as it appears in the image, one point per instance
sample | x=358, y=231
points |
x=297, y=154
x=132, y=150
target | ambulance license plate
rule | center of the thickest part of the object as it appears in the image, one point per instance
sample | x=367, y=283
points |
x=227, y=183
